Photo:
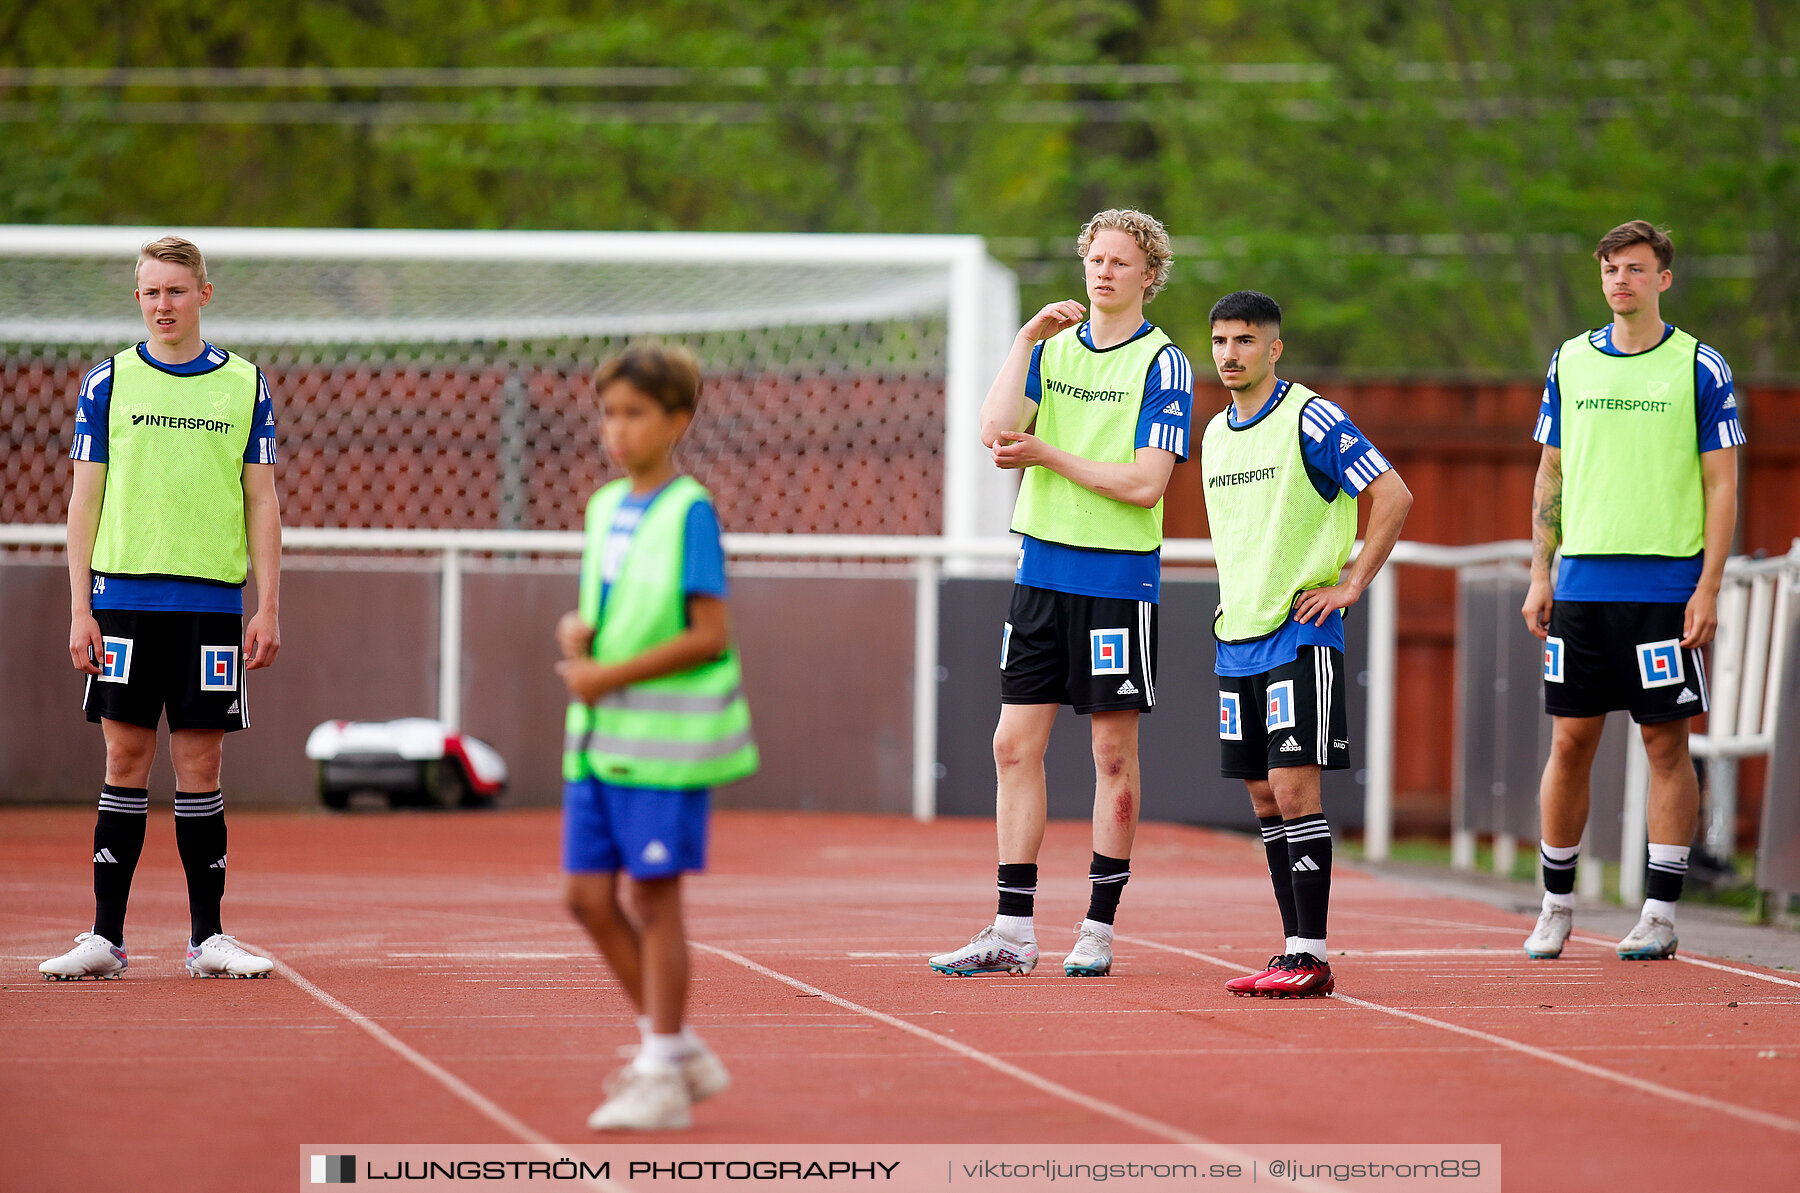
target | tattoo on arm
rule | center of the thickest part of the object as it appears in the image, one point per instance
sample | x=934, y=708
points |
x=1546, y=511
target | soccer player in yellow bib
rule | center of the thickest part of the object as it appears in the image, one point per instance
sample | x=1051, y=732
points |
x=1093, y=404
x=1637, y=486
x=1284, y=469
x=173, y=499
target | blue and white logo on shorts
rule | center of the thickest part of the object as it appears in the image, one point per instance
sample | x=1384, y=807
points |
x=218, y=668
x=115, y=664
x=1005, y=644
x=1111, y=651
x=1659, y=663
x=1553, y=660
x=1231, y=727
x=1281, y=705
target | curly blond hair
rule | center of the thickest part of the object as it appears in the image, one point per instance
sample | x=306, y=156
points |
x=1149, y=233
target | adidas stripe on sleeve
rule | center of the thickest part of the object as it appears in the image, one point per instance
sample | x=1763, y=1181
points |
x=1166, y=417
x=1335, y=450
x=92, y=408
x=261, y=448
x=1716, y=407
x=1549, y=430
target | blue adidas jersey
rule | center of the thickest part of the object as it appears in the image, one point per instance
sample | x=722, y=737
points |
x=89, y=443
x=1338, y=457
x=703, y=556
x=1656, y=578
x=1165, y=417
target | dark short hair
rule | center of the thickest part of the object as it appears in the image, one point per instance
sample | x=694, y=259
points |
x=1637, y=232
x=667, y=374
x=1247, y=306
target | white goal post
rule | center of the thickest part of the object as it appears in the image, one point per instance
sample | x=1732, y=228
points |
x=937, y=311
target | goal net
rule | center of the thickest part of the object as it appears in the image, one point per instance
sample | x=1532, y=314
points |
x=442, y=379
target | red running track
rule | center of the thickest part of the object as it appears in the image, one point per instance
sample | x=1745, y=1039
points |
x=432, y=990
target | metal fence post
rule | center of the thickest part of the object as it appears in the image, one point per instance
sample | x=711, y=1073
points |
x=450, y=618
x=925, y=687
x=1378, y=791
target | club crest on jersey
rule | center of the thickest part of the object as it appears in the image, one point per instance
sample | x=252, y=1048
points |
x=1281, y=706
x=1553, y=660
x=218, y=668
x=115, y=664
x=1231, y=726
x=1110, y=652
x=219, y=400
x=1659, y=663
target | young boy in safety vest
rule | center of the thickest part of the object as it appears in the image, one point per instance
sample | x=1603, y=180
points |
x=658, y=718
x=173, y=502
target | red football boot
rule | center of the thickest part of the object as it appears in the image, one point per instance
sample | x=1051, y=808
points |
x=1246, y=985
x=1300, y=975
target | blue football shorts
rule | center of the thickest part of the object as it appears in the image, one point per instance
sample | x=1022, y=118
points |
x=649, y=832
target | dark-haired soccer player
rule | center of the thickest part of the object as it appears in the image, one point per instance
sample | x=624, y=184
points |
x=1095, y=410
x=1284, y=469
x=174, y=496
x=1637, y=485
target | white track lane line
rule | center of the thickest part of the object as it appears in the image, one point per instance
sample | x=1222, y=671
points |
x=444, y=1077
x=1759, y=1117
x=1611, y=946
x=1118, y=1114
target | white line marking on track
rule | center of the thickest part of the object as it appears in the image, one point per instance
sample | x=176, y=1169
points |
x=1610, y=946
x=444, y=1077
x=1761, y=1118
x=1119, y=1114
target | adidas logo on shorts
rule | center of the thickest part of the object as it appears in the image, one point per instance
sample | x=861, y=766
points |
x=1687, y=696
x=655, y=853
x=1290, y=746
x=1128, y=689
x=233, y=710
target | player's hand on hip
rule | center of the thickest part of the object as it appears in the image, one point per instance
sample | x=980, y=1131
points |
x=87, y=646
x=262, y=641
x=1058, y=316
x=1316, y=604
x=1538, y=600
x=1701, y=620
x=1018, y=449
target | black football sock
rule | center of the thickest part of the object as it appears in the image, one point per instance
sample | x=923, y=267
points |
x=1281, y=873
x=200, y=838
x=1109, y=876
x=1309, y=862
x=118, y=843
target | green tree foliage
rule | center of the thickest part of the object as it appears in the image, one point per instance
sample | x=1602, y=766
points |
x=1420, y=184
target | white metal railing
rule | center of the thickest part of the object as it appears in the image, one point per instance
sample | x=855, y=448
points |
x=929, y=556
x=1749, y=653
